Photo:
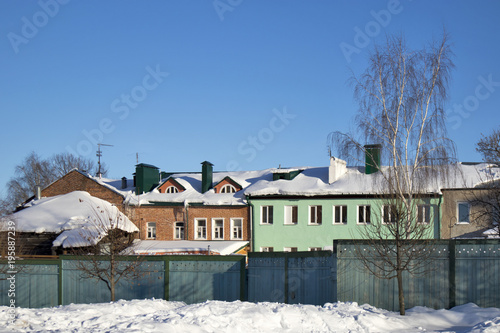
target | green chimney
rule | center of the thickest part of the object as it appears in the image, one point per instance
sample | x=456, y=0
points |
x=206, y=176
x=146, y=178
x=372, y=158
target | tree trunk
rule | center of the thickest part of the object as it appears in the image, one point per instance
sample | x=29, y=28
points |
x=401, y=293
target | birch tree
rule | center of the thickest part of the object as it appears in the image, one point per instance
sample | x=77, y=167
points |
x=401, y=98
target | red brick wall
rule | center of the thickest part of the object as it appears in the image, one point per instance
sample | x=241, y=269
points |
x=164, y=216
x=226, y=213
x=75, y=181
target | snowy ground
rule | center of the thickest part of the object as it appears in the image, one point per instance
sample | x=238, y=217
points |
x=214, y=316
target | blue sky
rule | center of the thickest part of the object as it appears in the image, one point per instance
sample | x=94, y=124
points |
x=243, y=84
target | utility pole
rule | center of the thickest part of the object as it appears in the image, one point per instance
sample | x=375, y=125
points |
x=99, y=154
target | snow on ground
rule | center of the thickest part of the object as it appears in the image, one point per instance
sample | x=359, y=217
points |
x=216, y=316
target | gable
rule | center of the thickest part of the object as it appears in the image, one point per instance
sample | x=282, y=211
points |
x=227, y=181
x=171, y=182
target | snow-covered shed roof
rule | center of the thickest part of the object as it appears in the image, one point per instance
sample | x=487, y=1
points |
x=81, y=219
x=154, y=247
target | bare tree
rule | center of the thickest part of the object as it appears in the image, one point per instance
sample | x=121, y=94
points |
x=489, y=146
x=99, y=245
x=401, y=96
x=35, y=171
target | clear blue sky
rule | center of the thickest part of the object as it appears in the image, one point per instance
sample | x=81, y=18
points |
x=243, y=84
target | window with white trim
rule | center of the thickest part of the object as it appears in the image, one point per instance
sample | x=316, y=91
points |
x=172, y=189
x=236, y=228
x=364, y=214
x=267, y=249
x=463, y=212
x=228, y=188
x=423, y=214
x=151, y=232
x=389, y=214
x=200, y=226
x=266, y=215
x=315, y=215
x=179, y=230
x=290, y=249
x=291, y=214
x=339, y=214
x=315, y=249
x=218, y=229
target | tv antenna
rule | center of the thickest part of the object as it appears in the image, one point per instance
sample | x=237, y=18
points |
x=99, y=154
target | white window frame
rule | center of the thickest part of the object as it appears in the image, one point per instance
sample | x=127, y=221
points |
x=314, y=216
x=266, y=215
x=228, y=188
x=179, y=230
x=459, y=203
x=364, y=214
x=198, y=229
x=342, y=215
x=217, y=231
x=151, y=230
x=289, y=215
x=236, y=230
x=266, y=249
x=315, y=248
x=171, y=189
x=426, y=214
x=290, y=249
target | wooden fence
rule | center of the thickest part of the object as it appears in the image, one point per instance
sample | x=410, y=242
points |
x=458, y=272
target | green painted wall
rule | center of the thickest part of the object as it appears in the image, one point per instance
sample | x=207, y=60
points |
x=304, y=236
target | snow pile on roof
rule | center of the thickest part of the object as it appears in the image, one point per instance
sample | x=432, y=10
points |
x=156, y=315
x=192, y=183
x=81, y=219
x=154, y=247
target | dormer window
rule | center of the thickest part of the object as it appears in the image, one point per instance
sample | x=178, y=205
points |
x=172, y=189
x=228, y=188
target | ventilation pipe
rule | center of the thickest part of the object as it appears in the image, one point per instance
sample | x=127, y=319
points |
x=124, y=183
x=336, y=169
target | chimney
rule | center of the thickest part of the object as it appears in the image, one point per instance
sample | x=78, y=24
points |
x=38, y=193
x=206, y=176
x=124, y=183
x=146, y=178
x=336, y=169
x=372, y=158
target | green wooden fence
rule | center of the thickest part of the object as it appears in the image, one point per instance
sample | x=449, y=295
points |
x=458, y=272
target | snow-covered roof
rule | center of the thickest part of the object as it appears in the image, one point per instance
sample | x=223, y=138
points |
x=154, y=247
x=81, y=219
x=313, y=181
x=193, y=195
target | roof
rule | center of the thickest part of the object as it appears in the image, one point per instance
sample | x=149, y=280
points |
x=78, y=218
x=154, y=247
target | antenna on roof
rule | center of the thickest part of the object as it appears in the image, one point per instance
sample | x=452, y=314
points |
x=99, y=154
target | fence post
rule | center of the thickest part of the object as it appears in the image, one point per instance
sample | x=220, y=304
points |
x=167, y=277
x=60, y=283
x=452, y=273
x=286, y=278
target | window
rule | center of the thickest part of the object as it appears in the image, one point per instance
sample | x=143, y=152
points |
x=315, y=249
x=217, y=228
x=172, y=189
x=364, y=214
x=423, y=214
x=179, y=230
x=228, y=188
x=290, y=249
x=340, y=214
x=266, y=215
x=151, y=234
x=389, y=214
x=200, y=228
x=463, y=209
x=291, y=214
x=315, y=215
x=266, y=249
x=237, y=228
